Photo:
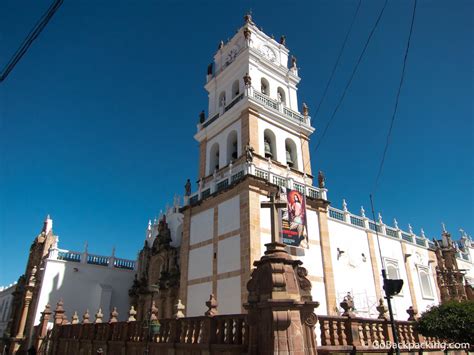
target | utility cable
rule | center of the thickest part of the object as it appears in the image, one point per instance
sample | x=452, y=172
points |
x=337, y=60
x=34, y=33
x=402, y=77
x=341, y=99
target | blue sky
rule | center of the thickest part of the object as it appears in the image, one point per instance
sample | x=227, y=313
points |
x=97, y=120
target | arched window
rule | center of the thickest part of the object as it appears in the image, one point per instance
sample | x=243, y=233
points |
x=269, y=143
x=214, y=158
x=235, y=89
x=281, y=96
x=222, y=99
x=232, y=146
x=425, y=283
x=291, y=153
x=265, y=87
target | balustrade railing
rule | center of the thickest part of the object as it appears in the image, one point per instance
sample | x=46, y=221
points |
x=69, y=256
x=78, y=257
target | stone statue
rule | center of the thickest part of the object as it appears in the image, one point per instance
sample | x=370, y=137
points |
x=283, y=40
x=293, y=62
x=187, y=188
x=202, y=117
x=321, y=180
x=247, y=80
x=247, y=33
x=249, y=153
x=305, y=109
x=221, y=44
x=248, y=17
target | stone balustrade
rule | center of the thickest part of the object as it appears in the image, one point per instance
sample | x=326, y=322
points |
x=86, y=258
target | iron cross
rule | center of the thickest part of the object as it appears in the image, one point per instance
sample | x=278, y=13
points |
x=274, y=206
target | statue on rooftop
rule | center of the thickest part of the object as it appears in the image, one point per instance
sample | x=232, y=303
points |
x=187, y=188
x=249, y=153
x=321, y=180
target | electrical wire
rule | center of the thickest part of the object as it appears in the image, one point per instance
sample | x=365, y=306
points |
x=337, y=60
x=34, y=33
x=402, y=77
x=349, y=82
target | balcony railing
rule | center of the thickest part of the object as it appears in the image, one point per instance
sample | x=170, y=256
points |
x=86, y=258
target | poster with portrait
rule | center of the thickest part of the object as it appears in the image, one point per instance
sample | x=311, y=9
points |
x=293, y=219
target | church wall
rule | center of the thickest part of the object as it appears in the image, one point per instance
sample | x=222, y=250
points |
x=468, y=267
x=228, y=255
x=392, y=252
x=6, y=299
x=84, y=286
x=419, y=260
x=201, y=230
x=196, y=305
x=200, y=262
x=352, y=270
x=229, y=291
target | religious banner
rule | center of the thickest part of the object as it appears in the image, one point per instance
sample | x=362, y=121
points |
x=293, y=221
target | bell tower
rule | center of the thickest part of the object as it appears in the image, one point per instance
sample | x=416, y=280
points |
x=252, y=89
x=254, y=141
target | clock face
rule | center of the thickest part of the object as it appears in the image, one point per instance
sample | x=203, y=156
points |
x=268, y=53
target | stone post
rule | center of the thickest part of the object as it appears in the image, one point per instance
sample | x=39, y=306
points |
x=43, y=326
x=280, y=307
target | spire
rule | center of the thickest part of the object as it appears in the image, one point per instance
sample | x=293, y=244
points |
x=47, y=225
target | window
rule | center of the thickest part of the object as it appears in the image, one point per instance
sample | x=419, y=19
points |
x=291, y=154
x=425, y=283
x=235, y=89
x=269, y=144
x=232, y=146
x=265, y=87
x=281, y=96
x=214, y=158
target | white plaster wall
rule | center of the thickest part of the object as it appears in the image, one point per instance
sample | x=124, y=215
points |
x=280, y=136
x=228, y=254
x=420, y=259
x=228, y=215
x=197, y=296
x=221, y=140
x=313, y=225
x=202, y=226
x=351, y=273
x=228, y=295
x=200, y=262
x=469, y=267
x=392, y=249
x=85, y=286
x=318, y=291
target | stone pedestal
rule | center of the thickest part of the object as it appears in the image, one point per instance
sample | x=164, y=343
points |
x=280, y=307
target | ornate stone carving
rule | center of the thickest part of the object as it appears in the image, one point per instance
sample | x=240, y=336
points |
x=211, y=306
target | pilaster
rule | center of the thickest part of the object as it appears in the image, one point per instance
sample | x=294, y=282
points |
x=409, y=276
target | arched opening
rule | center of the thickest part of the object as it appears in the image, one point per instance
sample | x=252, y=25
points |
x=291, y=153
x=269, y=143
x=235, y=89
x=214, y=158
x=425, y=282
x=265, y=87
x=281, y=96
x=222, y=99
x=232, y=146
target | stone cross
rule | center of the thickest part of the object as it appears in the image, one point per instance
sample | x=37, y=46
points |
x=274, y=206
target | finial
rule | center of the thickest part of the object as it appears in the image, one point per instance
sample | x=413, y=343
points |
x=411, y=313
x=410, y=229
x=321, y=180
x=344, y=205
x=283, y=40
x=75, y=318
x=380, y=218
x=131, y=314
x=85, y=317
x=444, y=227
x=422, y=233
x=113, y=315
x=149, y=225
x=362, y=211
x=202, y=117
x=211, y=306
x=98, y=316
x=395, y=223
x=86, y=246
x=293, y=62
x=153, y=312
x=179, y=307
x=381, y=309
x=221, y=44
x=113, y=251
